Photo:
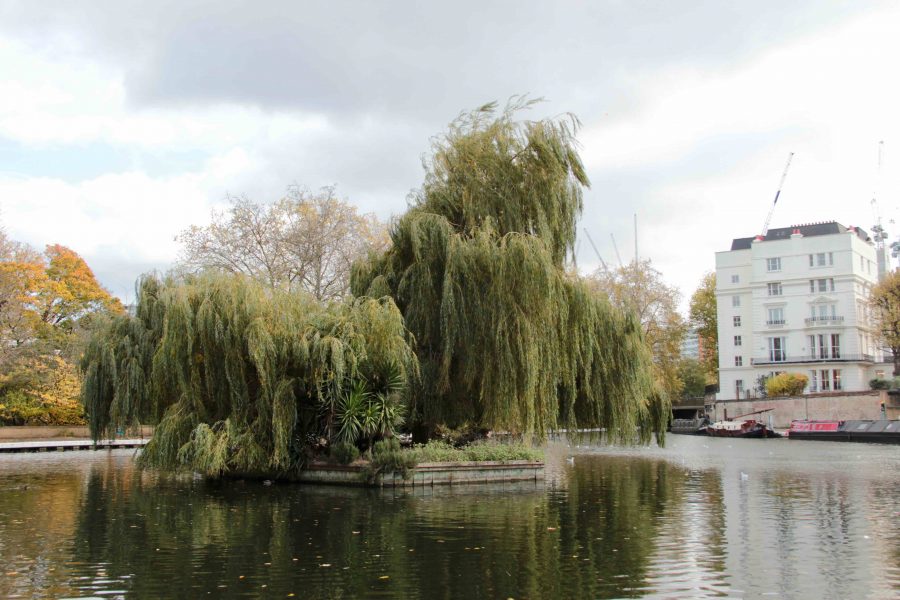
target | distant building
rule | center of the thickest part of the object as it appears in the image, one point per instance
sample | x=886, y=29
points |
x=690, y=345
x=796, y=301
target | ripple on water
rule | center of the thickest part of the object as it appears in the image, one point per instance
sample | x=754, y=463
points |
x=807, y=520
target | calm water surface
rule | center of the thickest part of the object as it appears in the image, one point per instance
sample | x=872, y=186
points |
x=700, y=518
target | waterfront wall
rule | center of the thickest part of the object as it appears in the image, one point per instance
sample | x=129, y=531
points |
x=48, y=432
x=833, y=406
x=429, y=474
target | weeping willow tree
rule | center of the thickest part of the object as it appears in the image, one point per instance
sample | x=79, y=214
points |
x=505, y=338
x=241, y=378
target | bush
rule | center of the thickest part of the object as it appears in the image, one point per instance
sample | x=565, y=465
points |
x=879, y=384
x=786, y=384
x=388, y=457
x=345, y=453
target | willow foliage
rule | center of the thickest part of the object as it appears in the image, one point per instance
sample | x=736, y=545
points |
x=505, y=338
x=239, y=377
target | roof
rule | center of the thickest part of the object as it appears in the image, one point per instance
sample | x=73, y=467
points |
x=808, y=229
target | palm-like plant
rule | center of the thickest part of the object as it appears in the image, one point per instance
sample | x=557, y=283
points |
x=352, y=420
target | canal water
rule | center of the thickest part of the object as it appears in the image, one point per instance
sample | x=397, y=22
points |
x=698, y=518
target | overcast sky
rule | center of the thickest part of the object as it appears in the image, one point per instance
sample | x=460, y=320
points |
x=122, y=123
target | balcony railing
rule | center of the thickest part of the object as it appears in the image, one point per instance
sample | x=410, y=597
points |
x=783, y=360
x=813, y=321
x=775, y=322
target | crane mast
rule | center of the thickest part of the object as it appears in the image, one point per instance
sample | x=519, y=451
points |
x=777, y=194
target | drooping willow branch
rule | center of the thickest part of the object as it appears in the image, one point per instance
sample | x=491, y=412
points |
x=239, y=376
x=506, y=339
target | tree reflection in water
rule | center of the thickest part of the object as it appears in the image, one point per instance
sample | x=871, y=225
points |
x=591, y=538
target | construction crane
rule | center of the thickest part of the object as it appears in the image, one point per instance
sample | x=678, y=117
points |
x=616, y=248
x=878, y=231
x=778, y=193
x=597, y=252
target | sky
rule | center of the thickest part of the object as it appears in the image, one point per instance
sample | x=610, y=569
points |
x=123, y=123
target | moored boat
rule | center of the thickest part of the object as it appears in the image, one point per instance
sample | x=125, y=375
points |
x=749, y=428
x=880, y=432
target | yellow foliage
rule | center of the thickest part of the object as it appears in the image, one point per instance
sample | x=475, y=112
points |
x=786, y=384
x=50, y=395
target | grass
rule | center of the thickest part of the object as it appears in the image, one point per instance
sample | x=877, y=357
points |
x=439, y=451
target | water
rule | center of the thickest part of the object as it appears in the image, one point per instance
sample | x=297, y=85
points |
x=700, y=518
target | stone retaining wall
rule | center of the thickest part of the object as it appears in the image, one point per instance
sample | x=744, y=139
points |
x=834, y=406
x=429, y=474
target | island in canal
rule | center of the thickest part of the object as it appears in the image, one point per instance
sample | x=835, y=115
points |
x=471, y=322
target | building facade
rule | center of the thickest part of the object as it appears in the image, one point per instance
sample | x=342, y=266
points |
x=797, y=301
x=690, y=345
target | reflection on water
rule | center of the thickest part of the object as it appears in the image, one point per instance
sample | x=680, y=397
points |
x=700, y=518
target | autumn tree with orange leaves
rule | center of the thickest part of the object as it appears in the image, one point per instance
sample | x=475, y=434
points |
x=47, y=304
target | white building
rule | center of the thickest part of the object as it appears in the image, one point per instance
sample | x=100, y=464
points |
x=795, y=301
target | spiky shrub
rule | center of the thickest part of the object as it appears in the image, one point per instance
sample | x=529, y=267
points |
x=239, y=377
x=506, y=339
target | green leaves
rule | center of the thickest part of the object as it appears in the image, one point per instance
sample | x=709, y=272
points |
x=240, y=376
x=505, y=338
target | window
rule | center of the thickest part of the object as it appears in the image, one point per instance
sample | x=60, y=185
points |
x=735, y=301
x=739, y=361
x=777, y=349
x=823, y=312
x=738, y=387
x=776, y=316
x=862, y=263
x=821, y=285
x=821, y=259
x=737, y=321
x=817, y=346
x=823, y=346
x=825, y=379
x=737, y=340
x=735, y=279
x=773, y=264
x=774, y=289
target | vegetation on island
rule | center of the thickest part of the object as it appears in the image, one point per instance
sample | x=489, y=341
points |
x=48, y=303
x=506, y=338
x=244, y=378
x=307, y=240
x=468, y=318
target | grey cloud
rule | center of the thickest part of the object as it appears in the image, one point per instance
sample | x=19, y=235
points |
x=420, y=60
